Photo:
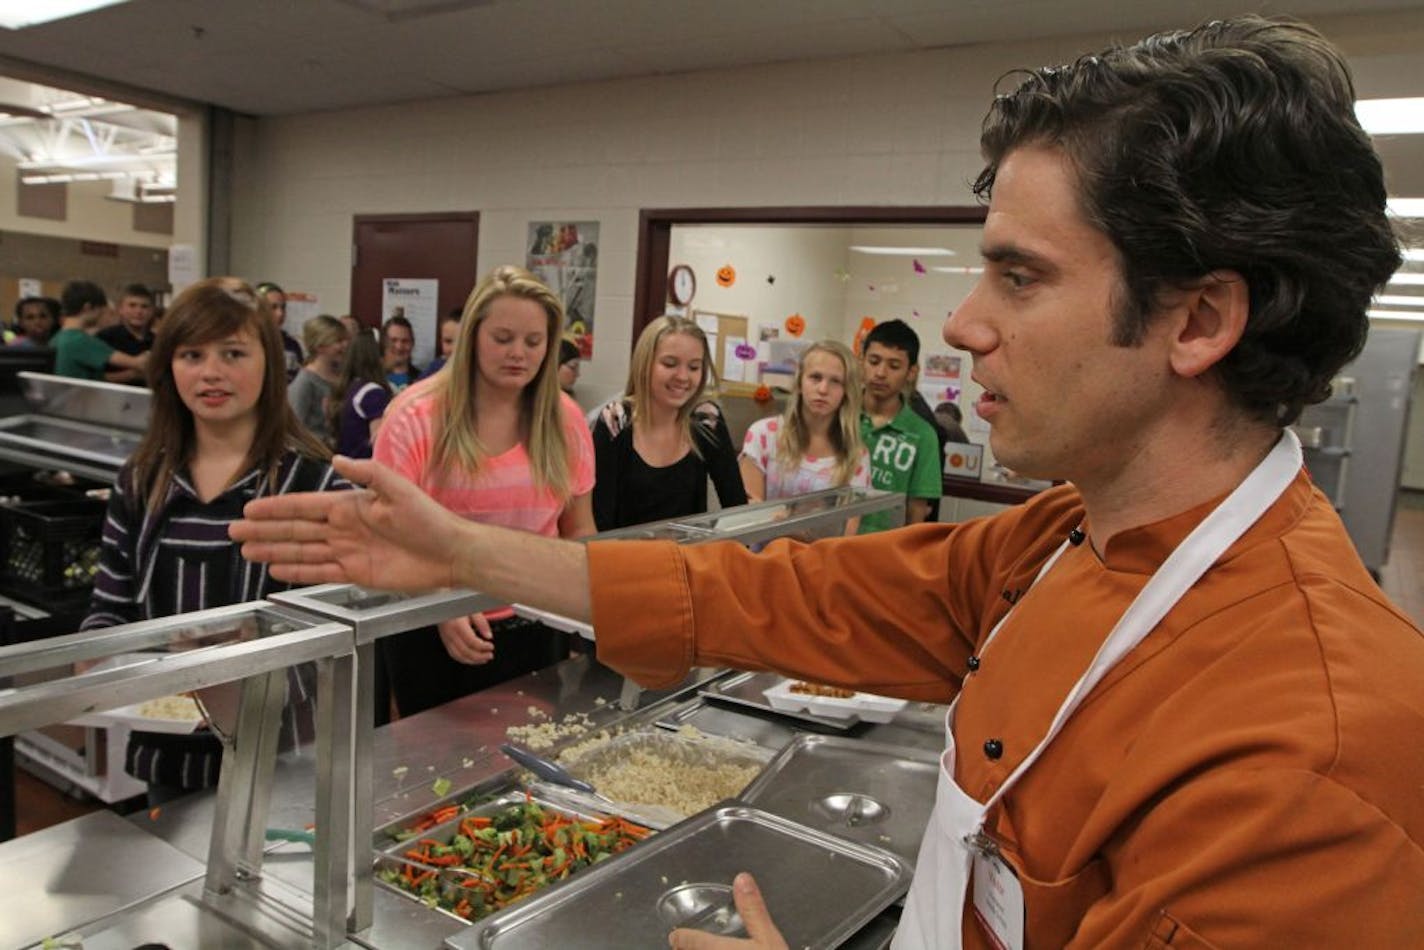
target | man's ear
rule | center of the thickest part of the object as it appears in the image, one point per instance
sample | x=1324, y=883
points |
x=1211, y=319
x=913, y=379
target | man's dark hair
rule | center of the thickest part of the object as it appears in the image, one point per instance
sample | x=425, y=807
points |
x=1233, y=146
x=896, y=334
x=568, y=351
x=50, y=304
x=394, y=322
x=78, y=294
x=137, y=290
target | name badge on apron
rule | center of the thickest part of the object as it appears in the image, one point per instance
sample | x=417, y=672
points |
x=998, y=900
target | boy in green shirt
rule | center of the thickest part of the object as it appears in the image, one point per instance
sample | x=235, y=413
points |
x=904, y=449
x=77, y=352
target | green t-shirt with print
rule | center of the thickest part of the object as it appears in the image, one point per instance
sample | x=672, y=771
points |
x=904, y=458
x=80, y=355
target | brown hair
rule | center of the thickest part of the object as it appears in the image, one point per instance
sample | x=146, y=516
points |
x=209, y=310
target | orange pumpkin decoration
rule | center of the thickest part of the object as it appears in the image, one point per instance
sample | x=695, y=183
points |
x=726, y=275
x=796, y=324
x=763, y=393
x=866, y=325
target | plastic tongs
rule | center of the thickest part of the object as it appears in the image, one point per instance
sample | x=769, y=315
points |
x=545, y=769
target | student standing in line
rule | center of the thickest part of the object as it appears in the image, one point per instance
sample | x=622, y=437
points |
x=904, y=449
x=77, y=351
x=361, y=397
x=276, y=300
x=659, y=442
x=36, y=321
x=815, y=443
x=449, y=333
x=220, y=434
x=492, y=439
x=397, y=342
x=568, y=365
x=133, y=334
x=326, y=340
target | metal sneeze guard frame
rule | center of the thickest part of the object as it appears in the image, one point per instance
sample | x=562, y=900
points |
x=335, y=626
x=259, y=662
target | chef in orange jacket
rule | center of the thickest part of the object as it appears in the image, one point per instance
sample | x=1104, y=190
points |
x=1183, y=715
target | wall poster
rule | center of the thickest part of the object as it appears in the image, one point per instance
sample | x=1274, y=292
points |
x=564, y=255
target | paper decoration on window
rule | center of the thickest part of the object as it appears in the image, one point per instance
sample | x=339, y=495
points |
x=866, y=325
x=919, y=268
x=726, y=275
x=745, y=351
x=795, y=324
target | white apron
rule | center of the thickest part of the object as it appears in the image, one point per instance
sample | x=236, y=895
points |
x=935, y=908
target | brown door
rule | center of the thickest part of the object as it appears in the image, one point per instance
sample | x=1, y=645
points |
x=440, y=246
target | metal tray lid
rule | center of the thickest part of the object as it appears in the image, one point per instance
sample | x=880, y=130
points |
x=871, y=792
x=820, y=889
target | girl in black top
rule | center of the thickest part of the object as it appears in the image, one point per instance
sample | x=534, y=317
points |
x=657, y=444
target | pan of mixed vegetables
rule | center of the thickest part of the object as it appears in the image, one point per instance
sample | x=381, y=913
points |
x=482, y=863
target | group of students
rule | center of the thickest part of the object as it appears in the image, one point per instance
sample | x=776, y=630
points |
x=490, y=434
x=90, y=339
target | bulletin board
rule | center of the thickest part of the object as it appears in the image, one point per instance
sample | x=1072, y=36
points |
x=725, y=332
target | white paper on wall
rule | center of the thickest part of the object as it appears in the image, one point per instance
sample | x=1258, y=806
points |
x=734, y=368
x=182, y=266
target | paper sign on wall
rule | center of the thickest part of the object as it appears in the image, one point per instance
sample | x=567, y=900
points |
x=30, y=287
x=734, y=367
x=182, y=266
x=418, y=300
x=301, y=307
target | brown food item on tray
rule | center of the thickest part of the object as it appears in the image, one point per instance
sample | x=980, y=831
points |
x=816, y=689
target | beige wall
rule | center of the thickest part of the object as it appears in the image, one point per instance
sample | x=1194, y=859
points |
x=882, y=130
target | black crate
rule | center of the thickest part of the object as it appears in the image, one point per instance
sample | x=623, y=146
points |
x=50, y=548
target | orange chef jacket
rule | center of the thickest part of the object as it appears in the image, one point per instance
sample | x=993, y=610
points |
x=1250, y=775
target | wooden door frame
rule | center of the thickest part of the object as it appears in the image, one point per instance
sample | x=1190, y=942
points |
x=408, y=218
x=655, y=236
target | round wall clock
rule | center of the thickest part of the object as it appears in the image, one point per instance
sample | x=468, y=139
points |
x=682, y=284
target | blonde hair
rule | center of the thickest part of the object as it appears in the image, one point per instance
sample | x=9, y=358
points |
x=640, y=371
x=845, y=431
x=323, y=330
x=457, y=441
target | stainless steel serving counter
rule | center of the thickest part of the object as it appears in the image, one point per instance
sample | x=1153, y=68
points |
x=354, y=779
x=457, y=742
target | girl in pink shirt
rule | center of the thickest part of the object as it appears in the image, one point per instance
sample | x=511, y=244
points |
x=491, y=437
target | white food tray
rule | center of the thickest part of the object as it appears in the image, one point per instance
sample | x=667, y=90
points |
x=866, y=707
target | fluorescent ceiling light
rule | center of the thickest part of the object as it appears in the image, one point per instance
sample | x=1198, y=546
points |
x=1391, y=116
x=1413, y=253
x=1400, y=300
x=904, y=251
x=1396, y=315
x=1405, y=207
x=18, y=14
x=959, y=270
x=1413, y=280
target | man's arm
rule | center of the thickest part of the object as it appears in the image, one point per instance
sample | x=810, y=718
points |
x=393, y=536
x=916, y=510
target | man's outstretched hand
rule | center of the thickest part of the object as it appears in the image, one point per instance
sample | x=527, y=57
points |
x=389, y=535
